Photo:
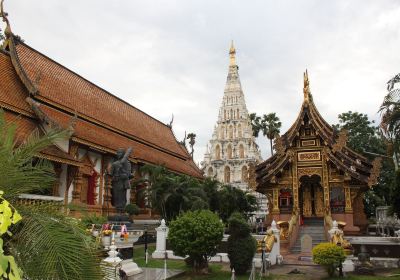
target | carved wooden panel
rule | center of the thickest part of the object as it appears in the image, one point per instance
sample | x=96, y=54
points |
x=309, y=156
x=307, y=143
x=309, y=171
x=307, y=210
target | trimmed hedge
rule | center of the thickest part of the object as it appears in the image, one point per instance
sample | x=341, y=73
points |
x=241, y=245
x=328, y=255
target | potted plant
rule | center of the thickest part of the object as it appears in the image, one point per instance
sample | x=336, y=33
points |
x=132, y=209
x=106, y=235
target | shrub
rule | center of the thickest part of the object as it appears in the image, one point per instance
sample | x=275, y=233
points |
x=132, y=209
x=196, y=234
x=328, y=255
x=241, y=245
x=89, y=220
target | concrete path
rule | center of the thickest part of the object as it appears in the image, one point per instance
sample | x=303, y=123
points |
x=155, y=274
x=306, y=271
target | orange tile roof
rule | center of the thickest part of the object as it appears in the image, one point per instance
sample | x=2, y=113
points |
x=86, y=132
x=25, y=127
x=12, y=91
x=105, y=122
x=61, y=86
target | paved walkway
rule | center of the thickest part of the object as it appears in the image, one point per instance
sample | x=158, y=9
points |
x=155, y=274
x=305, y=271
x=298, y=259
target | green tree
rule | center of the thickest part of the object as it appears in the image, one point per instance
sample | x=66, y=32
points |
x=46, y=244
x=255, y=122
x=241, y=245
x=365, y=138
x=192, y=140
x=171, y=194
x=9, y=216
x=270, y=126
x=390, y=125
x=196, y=234
x=232, y=200
x=211, y=187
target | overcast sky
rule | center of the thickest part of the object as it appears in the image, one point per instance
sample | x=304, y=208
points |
x=171, y=57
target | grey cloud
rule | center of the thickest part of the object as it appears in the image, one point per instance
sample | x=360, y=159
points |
x=169, y=57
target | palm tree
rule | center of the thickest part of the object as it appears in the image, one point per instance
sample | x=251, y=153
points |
x=255, y=122
x=270, y=126
x=192, y=141
x=390, y=110
x=170, y=193
x=46, y=244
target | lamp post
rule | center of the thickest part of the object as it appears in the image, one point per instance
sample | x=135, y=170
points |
x=145, y=244
x=263, y=271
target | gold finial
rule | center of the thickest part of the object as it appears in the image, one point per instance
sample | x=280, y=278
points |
x=232, y=53
x=306, y=88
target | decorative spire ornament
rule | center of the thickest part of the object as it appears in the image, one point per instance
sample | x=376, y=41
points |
x=306, y=88
x=232, y=55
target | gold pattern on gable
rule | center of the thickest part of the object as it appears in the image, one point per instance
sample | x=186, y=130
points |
x=309, y=171
x=278, y=145
x=309, y=156
x=341, y=141
x=308, y=143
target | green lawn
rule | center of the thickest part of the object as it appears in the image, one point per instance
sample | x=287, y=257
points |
x=221, y=271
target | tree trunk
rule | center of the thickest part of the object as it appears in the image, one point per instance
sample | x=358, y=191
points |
x=272, y=150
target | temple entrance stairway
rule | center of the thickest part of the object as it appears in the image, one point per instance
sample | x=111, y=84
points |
x=313, y=227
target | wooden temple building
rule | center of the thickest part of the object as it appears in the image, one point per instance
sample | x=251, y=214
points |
x=39, y=94
x=314, y=175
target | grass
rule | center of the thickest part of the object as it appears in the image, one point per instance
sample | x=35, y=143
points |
x=222, y=272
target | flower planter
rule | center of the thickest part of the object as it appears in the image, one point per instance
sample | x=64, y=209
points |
x=106, y=241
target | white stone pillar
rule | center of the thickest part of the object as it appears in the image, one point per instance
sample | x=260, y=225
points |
x=162, y=233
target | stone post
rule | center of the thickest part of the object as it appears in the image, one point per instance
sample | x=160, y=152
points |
x=162, y=233
x=275, y=254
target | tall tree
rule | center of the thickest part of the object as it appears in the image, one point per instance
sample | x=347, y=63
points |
x=46, y=244
x=171, y=194
x=390, y=125
x=365, y=138
x=255, y=122
x=192, y=140
x=270, y=126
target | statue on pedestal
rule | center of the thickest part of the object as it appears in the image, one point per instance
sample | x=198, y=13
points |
x=120, y=172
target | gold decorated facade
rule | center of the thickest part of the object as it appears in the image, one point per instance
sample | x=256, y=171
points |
x=313, y=174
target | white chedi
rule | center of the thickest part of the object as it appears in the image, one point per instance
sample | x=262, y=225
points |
x=232, y=148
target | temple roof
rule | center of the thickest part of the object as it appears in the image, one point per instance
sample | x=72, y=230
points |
x=103, y=120
x=344, y=158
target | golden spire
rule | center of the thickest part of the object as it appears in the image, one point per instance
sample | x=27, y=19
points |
x=306, y=88
x=232, y=53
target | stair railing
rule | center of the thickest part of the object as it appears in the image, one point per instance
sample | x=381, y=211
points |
x=328, y=222
x=293, y=230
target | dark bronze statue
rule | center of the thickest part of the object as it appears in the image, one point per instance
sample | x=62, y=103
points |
x=120, y=172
